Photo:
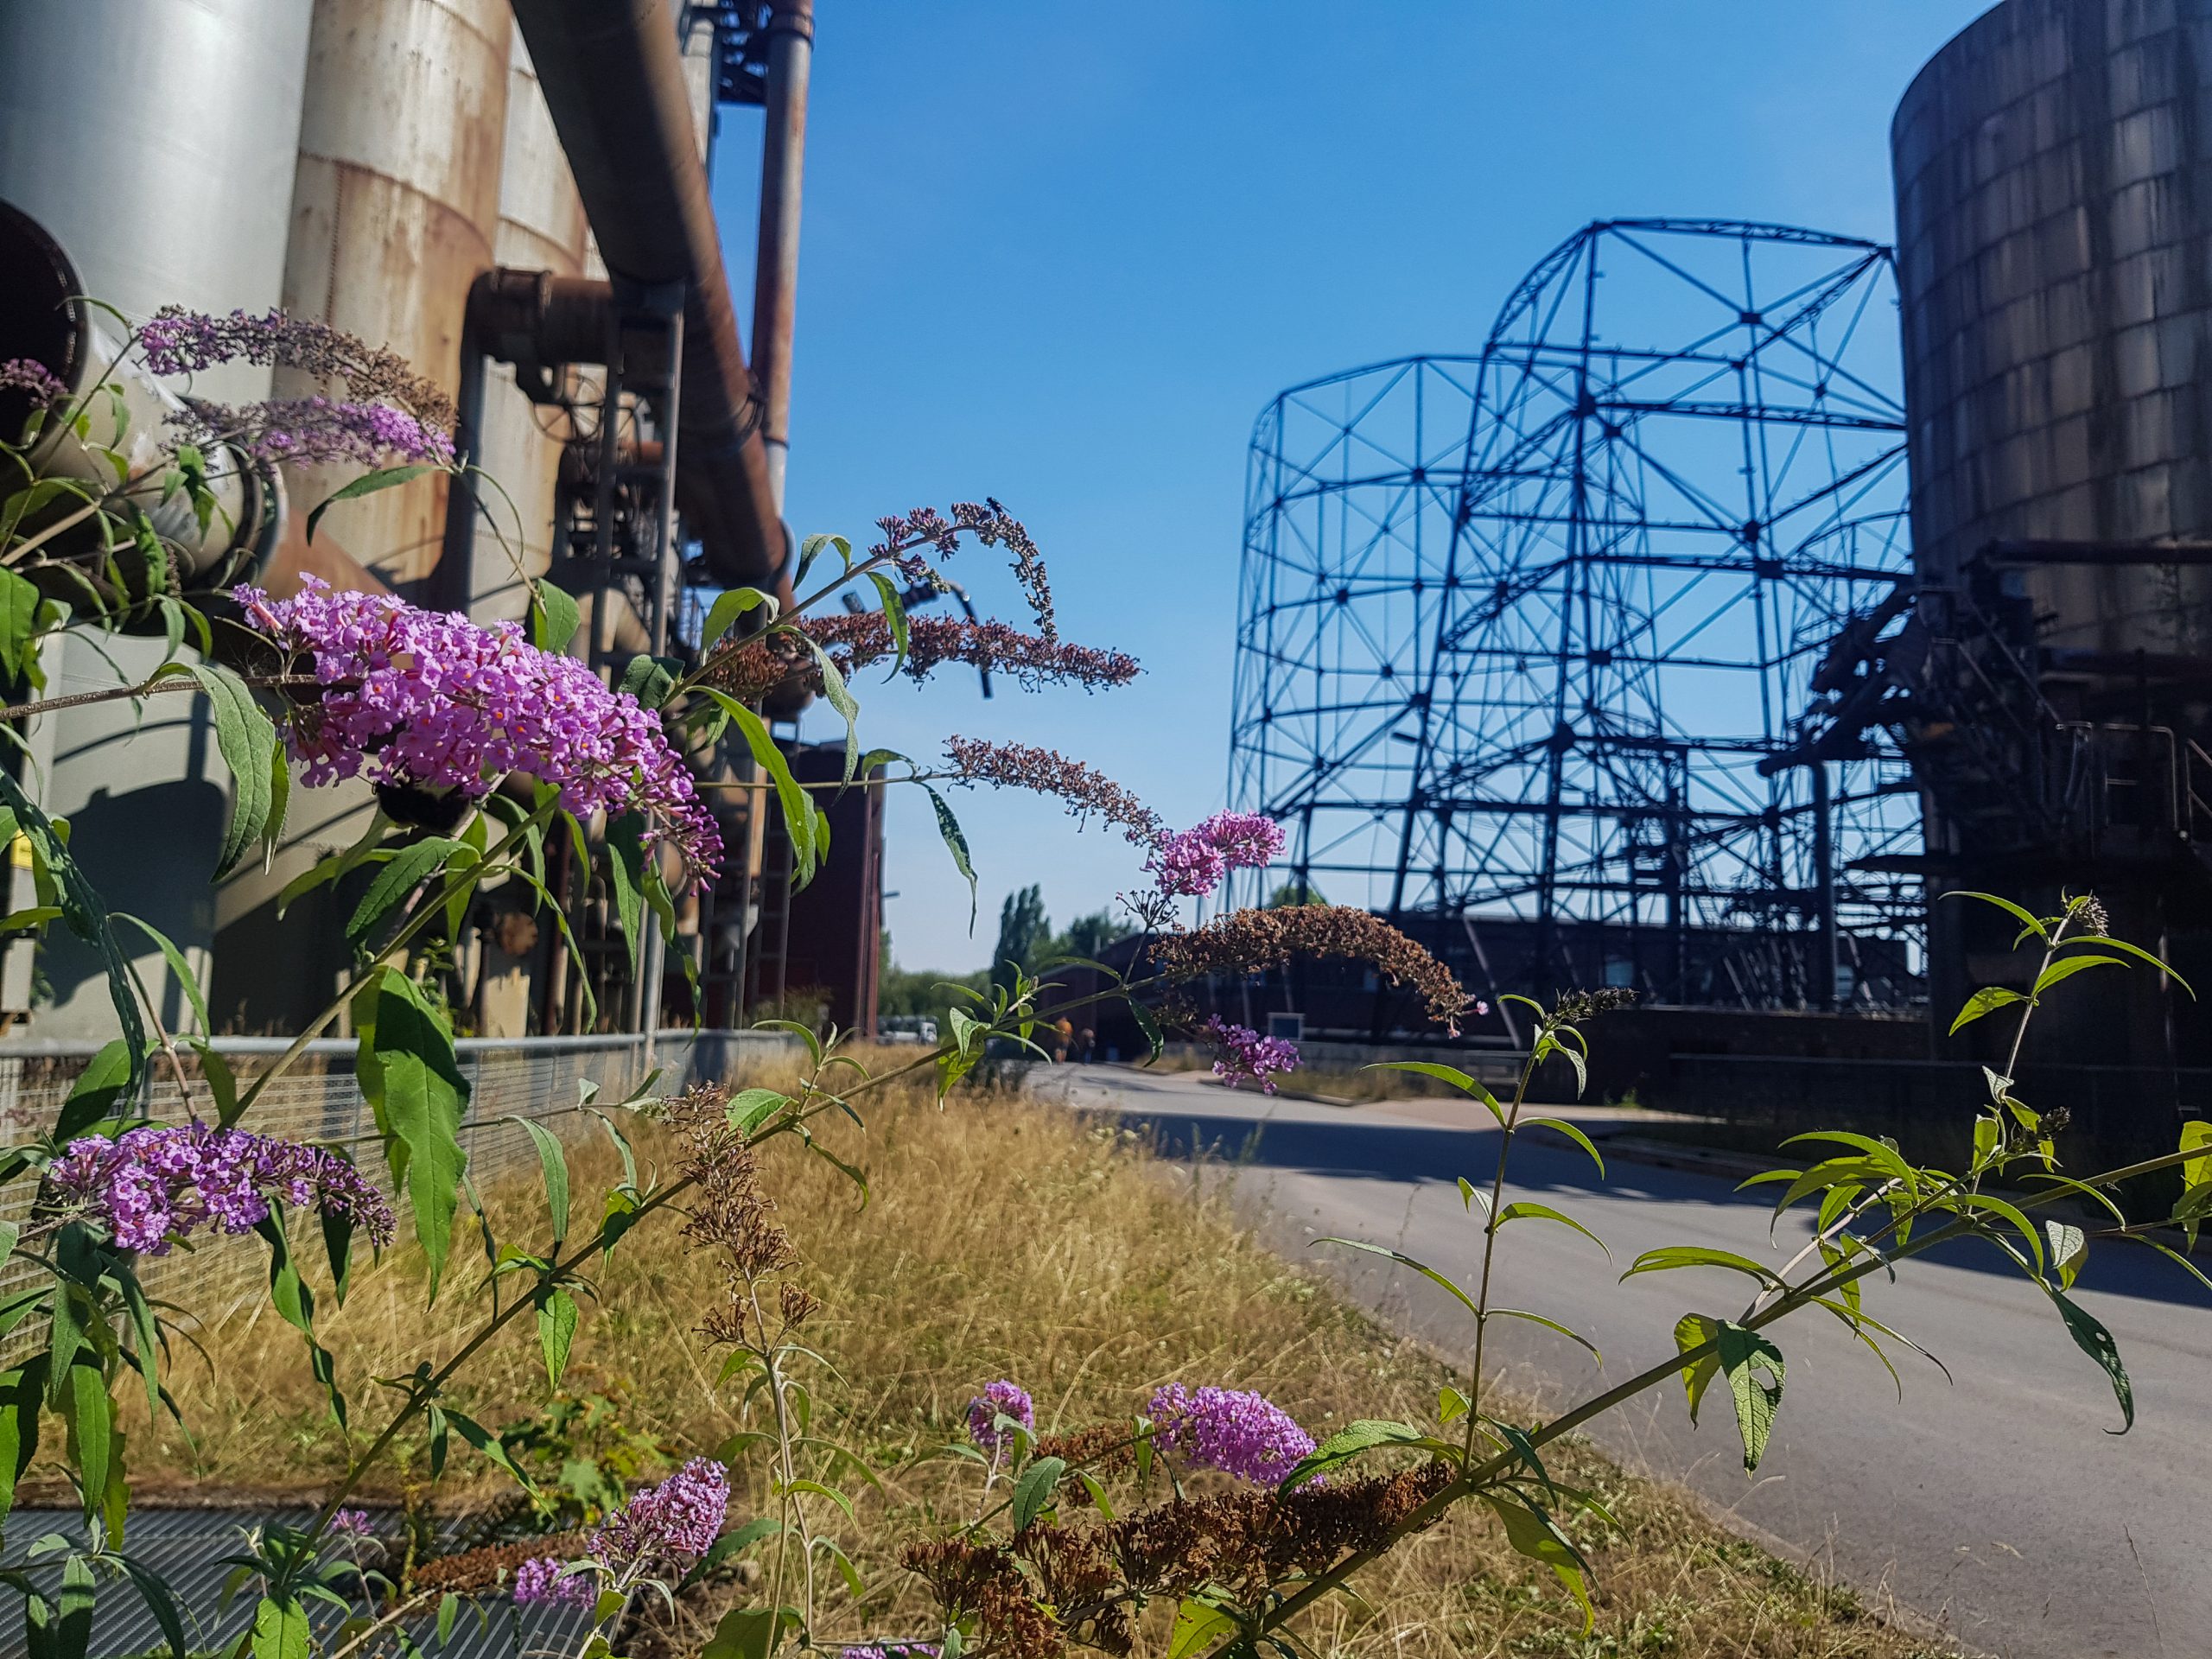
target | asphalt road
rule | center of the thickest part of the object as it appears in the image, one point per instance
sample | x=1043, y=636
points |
x=1998, y=1507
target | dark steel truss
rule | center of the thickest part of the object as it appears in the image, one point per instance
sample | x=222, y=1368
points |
x=1518, y=628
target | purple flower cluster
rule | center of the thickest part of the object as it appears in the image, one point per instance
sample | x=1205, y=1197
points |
x=28, y=375
x=892, y=1651
x=1243, y=1435
x=306, y=430
x=676, y=1521
x=1000, y=1399
x=542, y=1580
x=429, y=700
x=178, y=341
x=1241, y=1052
x=1192, y=862
x=152, y=1186
x=351, y=1523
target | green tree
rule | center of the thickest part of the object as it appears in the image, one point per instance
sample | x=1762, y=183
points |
x=1089, y=936
x=1024, y=928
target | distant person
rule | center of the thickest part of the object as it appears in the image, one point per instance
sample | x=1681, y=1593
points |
x=1086, y=1046
x=1065, y=1029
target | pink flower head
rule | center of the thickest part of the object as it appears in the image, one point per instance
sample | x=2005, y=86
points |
x=676, y=1521
x=1000, y=1399
x=1243, y=1435
x=1241, y=1052
x=542, y=1580
x=418, y=700
x=1192, y=862
x=32, y=377
x=150, y=1186
x=351, y=1523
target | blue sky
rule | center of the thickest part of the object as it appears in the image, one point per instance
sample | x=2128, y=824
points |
x=1060, y=258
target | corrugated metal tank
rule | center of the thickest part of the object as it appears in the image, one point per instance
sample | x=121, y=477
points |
x=395, y=210
x=542, y=228
x=154, y=139
x=2053, y=187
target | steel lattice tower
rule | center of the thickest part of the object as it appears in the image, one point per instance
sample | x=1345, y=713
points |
x=1519, y=629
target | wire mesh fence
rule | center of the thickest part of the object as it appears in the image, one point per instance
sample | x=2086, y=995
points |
x=544, y=1078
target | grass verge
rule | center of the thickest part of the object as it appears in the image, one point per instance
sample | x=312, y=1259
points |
x=1003, y=1239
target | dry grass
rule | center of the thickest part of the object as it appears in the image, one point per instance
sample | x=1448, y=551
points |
x=1005, y=1239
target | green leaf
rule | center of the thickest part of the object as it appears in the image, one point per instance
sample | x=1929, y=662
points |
x=1450, y=1074
x=280, y=1630
x=88, y=1415
x=751, y=1108
x=488, y=1446
x=1032, y=1493
x=556, y=1330
x=1987, y=1000
x=2032, y=923
x=1405, y=1260
x=106, y=1088
x=798, y=811
x=1535, y=1535
x=1545, y=1212
x=1198, y=1627
x=407, y=869
x=626, y=874
x=957, y=843
x=723, y=615
x=187, y=980
x=731, y=1544
x=294, y=1301
x=247, y=739
x=1561, y=1126
x=367, y=484
x=894, y=617
x=2105, y=942
x=1695, y=1331
x=1148, y=1025
x=1668, y=1258
x=749, y=1632
x=2093, y=1339
x=1353, y=1441
x=82, y=909
x=26, y=616
x=554, y=1160
x=840, y=698
x=1753, y=1367
x=649, y=679
x=1549, y=1325
x=2196, y=1172
x=2069, y=1249
x=21, y=1393
x=159, y=1602
x=554, y=618
x=412, y=1081
x=2066, y=967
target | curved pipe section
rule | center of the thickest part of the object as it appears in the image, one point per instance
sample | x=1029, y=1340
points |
x=614, y=82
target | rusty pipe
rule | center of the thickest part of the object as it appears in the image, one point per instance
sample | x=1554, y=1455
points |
x=614, y=83
x=775, y=282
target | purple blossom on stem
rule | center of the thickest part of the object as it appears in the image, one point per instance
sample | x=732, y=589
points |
x=150, y=1187
x=417, y=699
x=29, y=376
x=1243, y=1435
x=1000, y=1399
x=542, y=1581
x=306, y=430
x=1192, y=861
x=675, y=1522
x=351, y=1523
x=892, y=1651
x=178, y=341
x=1242, y=1052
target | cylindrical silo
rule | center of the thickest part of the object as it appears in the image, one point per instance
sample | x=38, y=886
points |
x=395, y=210
x=2054, y=187
x=155, y=141
x=542, y=228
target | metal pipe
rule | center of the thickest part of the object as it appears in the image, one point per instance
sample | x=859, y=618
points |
x=775, y=283
x=614, y=82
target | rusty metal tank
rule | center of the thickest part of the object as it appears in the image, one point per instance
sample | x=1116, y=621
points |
x=2054, y=190
x=542, y=228
x=395, y=209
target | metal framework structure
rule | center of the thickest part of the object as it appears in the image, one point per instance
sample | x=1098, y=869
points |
x=1518, y=629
